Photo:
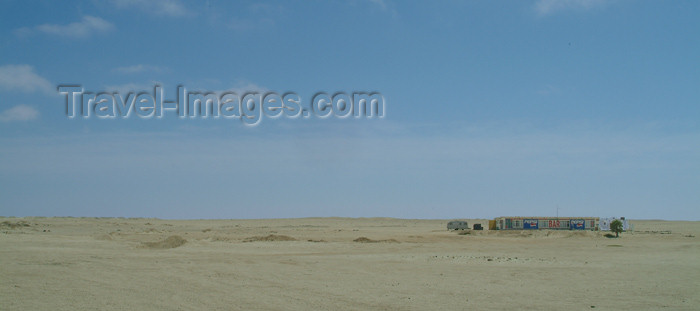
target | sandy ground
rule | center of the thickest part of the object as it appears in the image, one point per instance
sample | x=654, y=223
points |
x=316, y=264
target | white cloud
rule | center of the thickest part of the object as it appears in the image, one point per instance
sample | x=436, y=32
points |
x=266, y=9
x=548, y=7
x=381, y=3
x=88, y=26
x=132, y=87
x=243, y=87
x=19, y=113
x=173, y=8
x=385, y=6
x=137, y=69
x=22, y=78
x=240, y=87
x=254, y=17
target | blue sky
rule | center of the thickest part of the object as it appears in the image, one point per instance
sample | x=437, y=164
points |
x=492, y=108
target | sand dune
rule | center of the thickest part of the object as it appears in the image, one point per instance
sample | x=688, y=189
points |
x=172, y=241
x=317, y=263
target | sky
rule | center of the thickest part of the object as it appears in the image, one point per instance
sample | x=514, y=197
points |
x=490, y=108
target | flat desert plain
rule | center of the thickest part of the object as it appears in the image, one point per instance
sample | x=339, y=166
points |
x=341, y=263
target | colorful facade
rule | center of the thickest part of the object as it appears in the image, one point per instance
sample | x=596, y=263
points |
x=556, y=223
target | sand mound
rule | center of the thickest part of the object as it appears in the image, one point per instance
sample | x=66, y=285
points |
x=14, y=225
x=363, y=239
x=574, y=234
x=172, y=241
x=219, y=238
x=103, y=237
x=269, y=238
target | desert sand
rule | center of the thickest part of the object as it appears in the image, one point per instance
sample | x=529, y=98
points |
x=340, y=263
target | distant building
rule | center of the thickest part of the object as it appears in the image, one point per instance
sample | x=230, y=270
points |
x=457, y=225
x=557, y=223
x=605, y=223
